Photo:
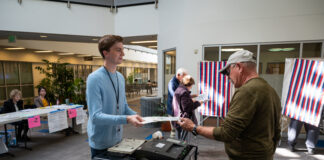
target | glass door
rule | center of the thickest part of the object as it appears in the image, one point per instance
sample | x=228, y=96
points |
x=169, y=69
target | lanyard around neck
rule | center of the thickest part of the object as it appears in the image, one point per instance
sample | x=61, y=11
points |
x=116, y=90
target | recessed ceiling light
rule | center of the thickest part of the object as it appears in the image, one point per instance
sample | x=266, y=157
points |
x=140, y=42
x=95, y=39
x=43, y=51
x=65, y=54
x=281, y=49
x=84, y=55
x=288, y=49
x=231, y=49
x=15, y=48
x=43, y=36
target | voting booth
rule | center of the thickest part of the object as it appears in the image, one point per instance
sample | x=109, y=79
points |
x=303, y=91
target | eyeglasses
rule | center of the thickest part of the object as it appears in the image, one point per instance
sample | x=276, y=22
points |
x=228, y=70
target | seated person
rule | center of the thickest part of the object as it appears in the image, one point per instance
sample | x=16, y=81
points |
x=15, y=104
x=41, y=101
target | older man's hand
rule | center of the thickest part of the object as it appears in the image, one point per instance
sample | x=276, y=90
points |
x=186, y=124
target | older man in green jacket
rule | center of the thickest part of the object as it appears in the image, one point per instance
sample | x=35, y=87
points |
x=251, y=129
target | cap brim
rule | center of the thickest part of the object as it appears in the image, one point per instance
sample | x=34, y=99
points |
x=224, y=69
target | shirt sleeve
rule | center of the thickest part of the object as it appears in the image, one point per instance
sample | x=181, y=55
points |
x=94, y=100
x=243, y=107
x=6, y=107
x=277, y=135
x=37, y=103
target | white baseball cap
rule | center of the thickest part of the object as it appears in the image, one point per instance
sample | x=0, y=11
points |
x=238, y=56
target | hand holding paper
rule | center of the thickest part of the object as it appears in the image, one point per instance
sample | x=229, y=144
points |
x=135, y=120
x=202, y=97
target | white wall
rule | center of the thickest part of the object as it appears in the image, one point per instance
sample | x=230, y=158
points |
x=54, y=17
x=136, y=20
x=189, y=24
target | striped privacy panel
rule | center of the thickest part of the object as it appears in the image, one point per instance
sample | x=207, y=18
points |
x=303, y=98
x=217, y=87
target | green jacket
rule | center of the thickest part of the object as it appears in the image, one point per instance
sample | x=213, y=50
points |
x=251, y=129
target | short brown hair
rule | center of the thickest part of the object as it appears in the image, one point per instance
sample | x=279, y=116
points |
x=187, y=81
x=15, y=92
x=107, y=41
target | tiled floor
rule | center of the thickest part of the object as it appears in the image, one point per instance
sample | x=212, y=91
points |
x=75, y=147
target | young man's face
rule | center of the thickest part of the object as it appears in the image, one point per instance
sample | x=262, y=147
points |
x=115, y=54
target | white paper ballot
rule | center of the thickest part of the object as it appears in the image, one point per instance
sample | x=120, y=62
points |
x=57, y=120
x=80, y=114
x=202, y=97
x=159, y=119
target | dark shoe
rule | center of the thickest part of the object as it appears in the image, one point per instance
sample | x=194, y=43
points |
x=291, y=148
x=311, y=151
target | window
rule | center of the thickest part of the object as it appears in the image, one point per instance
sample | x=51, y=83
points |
x=211, y=54
x=228, y=50
x=152, y=74
x=312, y=50
x=25, y=73
x=122, y=70
x=11, y=73
x=82, y=71
x=170, y=62
x=16, y=75
x=272, y=59
x=169, y=68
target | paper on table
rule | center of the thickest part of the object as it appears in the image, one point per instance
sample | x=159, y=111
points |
x=80, y=114
x=27, y=110
x=57, y=121
x=126, y=146
x=159, y=119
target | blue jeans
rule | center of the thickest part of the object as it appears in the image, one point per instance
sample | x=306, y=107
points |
x=95, y=152
x=312, y=133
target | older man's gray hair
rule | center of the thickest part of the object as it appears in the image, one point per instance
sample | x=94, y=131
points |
x=181, y=71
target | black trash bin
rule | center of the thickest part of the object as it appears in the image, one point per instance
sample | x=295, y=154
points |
x=151, y=106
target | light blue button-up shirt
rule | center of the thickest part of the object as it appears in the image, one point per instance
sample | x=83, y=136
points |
x=105, y=119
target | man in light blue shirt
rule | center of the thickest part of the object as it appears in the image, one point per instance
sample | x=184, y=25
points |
x=108, y=108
